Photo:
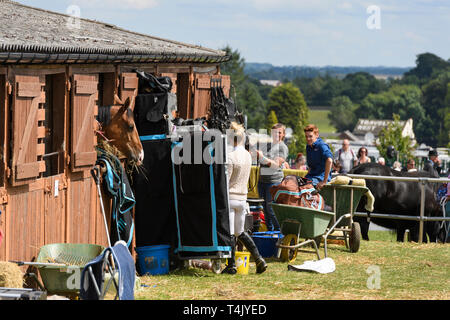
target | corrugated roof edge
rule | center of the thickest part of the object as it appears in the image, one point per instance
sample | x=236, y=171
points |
x=13, y=54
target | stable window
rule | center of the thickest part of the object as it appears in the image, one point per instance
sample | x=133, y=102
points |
x=183, y=95
x=54, y=120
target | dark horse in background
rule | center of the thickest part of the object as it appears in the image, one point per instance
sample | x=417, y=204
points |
x=399, y=198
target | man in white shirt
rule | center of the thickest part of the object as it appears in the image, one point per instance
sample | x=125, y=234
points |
x=346, y=157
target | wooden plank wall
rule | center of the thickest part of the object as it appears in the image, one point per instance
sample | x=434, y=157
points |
x=65, y=207
x=62, y=208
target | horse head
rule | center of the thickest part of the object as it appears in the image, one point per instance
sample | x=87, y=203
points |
x=120, y=130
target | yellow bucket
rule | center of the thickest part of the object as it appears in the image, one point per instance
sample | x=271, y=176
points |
x=242, y=262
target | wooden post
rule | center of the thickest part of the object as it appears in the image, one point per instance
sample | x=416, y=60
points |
x=422, y=209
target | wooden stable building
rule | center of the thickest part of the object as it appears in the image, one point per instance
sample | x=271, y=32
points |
x=54, y=73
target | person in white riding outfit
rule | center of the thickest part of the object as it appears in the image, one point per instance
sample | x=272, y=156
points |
x=238, y=172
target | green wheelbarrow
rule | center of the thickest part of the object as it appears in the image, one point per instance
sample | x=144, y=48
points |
x=344, y=200
x=60, y=266
x=299, y=222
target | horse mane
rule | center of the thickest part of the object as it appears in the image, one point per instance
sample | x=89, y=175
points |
x=104, y=115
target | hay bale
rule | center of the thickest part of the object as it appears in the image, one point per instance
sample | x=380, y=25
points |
x=10, y=275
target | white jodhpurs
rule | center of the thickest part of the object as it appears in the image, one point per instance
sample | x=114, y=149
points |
x=237, y=216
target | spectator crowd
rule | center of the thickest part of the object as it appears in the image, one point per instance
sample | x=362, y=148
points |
x=319, y=163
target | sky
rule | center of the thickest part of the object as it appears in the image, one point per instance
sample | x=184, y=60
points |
x=285, y=32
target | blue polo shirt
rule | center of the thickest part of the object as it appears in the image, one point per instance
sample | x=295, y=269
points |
x=316, y=157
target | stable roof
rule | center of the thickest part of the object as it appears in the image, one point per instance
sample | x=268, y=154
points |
x=32, y=35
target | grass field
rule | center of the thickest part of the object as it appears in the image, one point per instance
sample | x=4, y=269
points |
x=404, y=270
x=320, y=118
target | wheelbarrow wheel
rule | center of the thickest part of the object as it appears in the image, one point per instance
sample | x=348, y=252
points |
x=289, y=255
x=354, y=239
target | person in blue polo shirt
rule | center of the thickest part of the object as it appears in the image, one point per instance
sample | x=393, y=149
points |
x=319, y=157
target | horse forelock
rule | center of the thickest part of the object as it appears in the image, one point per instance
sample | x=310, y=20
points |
x=104, y=115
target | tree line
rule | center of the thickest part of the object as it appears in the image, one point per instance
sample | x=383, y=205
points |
x=423, y=94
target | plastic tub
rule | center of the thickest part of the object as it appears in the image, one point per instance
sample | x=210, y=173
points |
x=265, y=242
x=153, y=260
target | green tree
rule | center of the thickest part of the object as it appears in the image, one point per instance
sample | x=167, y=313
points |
x=332, y=87
x=253, y=106
x=444, y=113
x=342, y=113
x=289, y=105
x=404, y=100
x=310, y=88
x=234, y=67
x=392, y=136
x=271, y=120
x=358, y=85
x=427, y=65
x=248, y=98
x=436, y=102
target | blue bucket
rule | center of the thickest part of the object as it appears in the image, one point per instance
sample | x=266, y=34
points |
x=265, y=242
x=153, y=260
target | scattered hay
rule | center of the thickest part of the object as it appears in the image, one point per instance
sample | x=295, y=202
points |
x=10, y=275
x=112, y=151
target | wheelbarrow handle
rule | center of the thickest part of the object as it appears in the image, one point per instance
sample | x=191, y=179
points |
x=38, y=264
x=95, y=175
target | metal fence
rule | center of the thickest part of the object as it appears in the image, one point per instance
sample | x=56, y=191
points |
x=422, y=181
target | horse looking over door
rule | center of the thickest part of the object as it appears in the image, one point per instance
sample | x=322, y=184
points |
x=118, y=128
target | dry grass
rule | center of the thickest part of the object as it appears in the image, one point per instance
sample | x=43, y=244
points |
x=407, y=271
x=11, y=276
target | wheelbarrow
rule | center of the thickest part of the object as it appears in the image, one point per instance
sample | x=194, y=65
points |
x=60, y=266
x=299, y=222
x=344, y=200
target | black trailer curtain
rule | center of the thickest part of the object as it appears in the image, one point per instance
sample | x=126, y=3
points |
x=201, y=204
x=184, y=205
x=154, y=209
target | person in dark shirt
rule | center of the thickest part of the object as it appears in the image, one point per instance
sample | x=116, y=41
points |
x=319, y=157
x=433, y=164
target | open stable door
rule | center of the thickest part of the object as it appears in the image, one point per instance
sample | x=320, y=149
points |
x=83, y=111
x=28, y=131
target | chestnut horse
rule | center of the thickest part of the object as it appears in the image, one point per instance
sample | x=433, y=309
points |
x=118, y=129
